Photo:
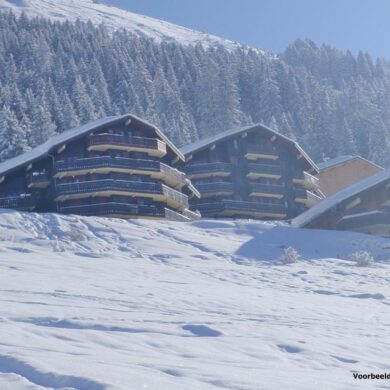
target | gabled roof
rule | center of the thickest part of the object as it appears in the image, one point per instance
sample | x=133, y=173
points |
x=204, y=143
x=344, y=196
x=343, y=159
x=53, y=143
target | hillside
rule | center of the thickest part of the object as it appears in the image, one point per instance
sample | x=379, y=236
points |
x=114, y=19
x=95, y=304
x=55, y=76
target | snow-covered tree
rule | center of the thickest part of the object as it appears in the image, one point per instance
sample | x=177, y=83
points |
x=13, y=140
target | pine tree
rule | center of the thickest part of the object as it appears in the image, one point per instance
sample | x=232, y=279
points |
x=82, y=102
x=42, y=126
x=12, y=135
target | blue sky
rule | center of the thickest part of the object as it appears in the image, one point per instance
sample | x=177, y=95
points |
x=273, y=24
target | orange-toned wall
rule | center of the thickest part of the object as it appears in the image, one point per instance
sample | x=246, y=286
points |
x=335, y=178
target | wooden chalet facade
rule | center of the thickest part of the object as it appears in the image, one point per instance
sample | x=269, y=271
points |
x=114, y=167
x=251, y=172
x=343, y=171
x=362, y=207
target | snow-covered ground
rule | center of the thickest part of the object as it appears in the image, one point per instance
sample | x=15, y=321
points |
x=114, y=18
x=89, y=303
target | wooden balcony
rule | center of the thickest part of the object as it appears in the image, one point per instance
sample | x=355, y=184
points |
x=108, y=187
x=255, y=152
x=107, y=164
x=236, y=208
x=306, y=197
x=151, y=146
x=204, y=170
x=371, y=222
x=175, y=216
x=214, y=189
x=22, y=202
x=267, y=190
x=306, y=180
x=38, y=179
x=115, y=210
x=112, y=209
x=256, y=171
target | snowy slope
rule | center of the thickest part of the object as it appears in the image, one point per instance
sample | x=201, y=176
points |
x=114, y=18
x=95, y=304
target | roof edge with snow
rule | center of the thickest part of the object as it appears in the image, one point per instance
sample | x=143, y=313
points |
x=340, y=197
x=343, y=159
x=58, y=140
x=204, y=143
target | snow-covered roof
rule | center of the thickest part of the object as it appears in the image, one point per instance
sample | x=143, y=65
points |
x=342, y=159
x=58, y=140
x=204, y=143
x=344, y=195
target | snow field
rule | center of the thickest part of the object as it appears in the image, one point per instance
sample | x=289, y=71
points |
x=93, y=303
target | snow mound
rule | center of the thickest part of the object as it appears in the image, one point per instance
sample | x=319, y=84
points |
x=114, y=18
x=94, y=303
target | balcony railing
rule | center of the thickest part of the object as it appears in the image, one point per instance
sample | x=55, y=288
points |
x=113, y=208
x=173, y=173
x=134, y=187
x=216, y=187
x=21, y=202
x=105, y=162
x=209, y=169
x=264, y=170
x=273, y=190
x=107, y=184
x=306, y=197
x=108, y=163
x=240, y=206
x=375, y=221
x=175, y=216
x=39, y=179
x=117, y=141
x=176, y=196
x=308, y=181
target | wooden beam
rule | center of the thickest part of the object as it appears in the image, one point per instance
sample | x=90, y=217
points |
x=61, y=148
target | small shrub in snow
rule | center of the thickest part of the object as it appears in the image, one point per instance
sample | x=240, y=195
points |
x=290, y=256
x=57, y=246
x=362, y=259
x=77, y=234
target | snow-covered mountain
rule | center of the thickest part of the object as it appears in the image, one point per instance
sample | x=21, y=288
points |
x=100, y=304
x=114, y=18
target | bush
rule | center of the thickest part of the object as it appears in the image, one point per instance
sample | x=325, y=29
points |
x=290, y=256
x=362, y=259
x=77, y=234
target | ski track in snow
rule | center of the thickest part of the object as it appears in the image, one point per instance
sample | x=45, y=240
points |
x=94, y=303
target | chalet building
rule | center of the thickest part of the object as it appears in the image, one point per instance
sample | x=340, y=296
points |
x=343, y=171
x=114, y=167
x=251, y=172
x=363, y=207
